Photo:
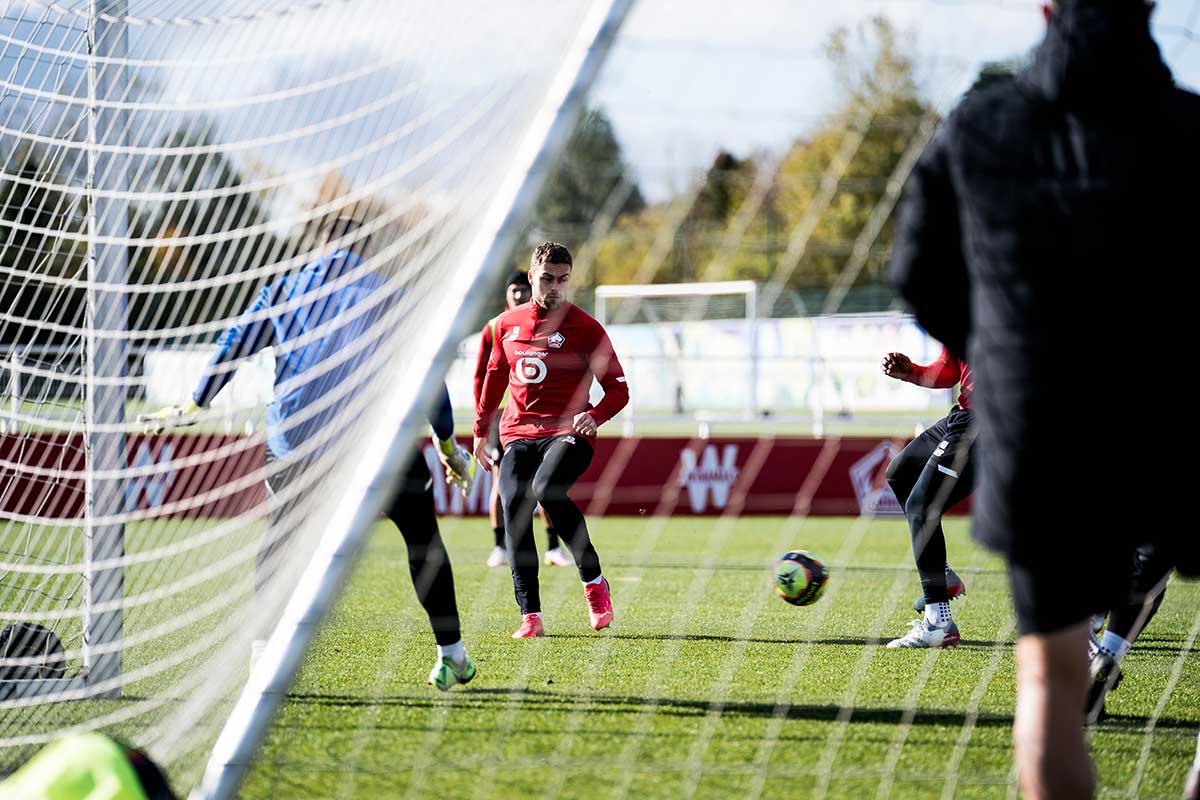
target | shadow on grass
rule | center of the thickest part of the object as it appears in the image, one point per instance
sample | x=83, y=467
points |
x=1147, y=644
x=707, y=637
x=765, y=567
x=543, y=701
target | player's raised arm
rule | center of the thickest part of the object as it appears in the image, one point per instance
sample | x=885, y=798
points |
x=250, y=335
x=941, y=373
x=898, y=366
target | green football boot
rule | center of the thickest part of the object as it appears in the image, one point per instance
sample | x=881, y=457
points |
x=445, y=674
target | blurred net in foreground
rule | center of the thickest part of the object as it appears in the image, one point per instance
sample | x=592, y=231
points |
x=161, y=167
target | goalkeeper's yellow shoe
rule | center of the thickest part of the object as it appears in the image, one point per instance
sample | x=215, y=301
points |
x=446, y=673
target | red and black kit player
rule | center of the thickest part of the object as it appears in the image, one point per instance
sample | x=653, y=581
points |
x=546, y=355
x=516, y=292
x=933, y=473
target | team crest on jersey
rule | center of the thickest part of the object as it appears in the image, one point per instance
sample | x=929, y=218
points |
x=556, y=340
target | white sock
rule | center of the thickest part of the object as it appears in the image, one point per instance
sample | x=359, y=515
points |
x=593, y=583
x=1114, y=645
x=937, y=614
x=455, y=652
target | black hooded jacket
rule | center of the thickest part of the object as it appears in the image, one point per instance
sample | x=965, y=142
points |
x=1048, y=235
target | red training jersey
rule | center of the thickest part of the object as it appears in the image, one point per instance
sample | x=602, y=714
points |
x=944, y=372
x=485, y=355
x=547, y=359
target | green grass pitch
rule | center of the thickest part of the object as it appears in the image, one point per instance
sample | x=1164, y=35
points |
x=707, y=685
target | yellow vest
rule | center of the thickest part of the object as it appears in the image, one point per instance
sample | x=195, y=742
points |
x=83, y=766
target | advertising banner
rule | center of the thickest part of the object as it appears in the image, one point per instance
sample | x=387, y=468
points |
x=41, y=476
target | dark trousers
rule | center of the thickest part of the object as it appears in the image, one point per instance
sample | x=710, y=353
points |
x=1151, y=566
x=498, y=532
x=931, y=474
x=542, y=471
x=412, y=511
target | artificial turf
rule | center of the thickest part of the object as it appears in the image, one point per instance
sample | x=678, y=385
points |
x=706, y=685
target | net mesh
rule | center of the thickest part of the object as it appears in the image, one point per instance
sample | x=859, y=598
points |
x=238, y=132
x=161, y=167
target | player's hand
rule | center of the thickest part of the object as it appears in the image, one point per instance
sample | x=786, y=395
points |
x=170, y=417
x=585, y=424
x=460, y=469
x=483, y=454
x=897, y=365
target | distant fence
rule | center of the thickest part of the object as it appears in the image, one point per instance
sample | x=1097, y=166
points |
x=816, y=366
x=214, y=476
x=821, y=365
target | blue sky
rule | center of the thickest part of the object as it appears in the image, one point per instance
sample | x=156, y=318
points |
x=686, y=78
x=691, y=76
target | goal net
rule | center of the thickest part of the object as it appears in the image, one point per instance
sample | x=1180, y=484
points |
x=163, y=163
x=730, y=203
x=682, y=333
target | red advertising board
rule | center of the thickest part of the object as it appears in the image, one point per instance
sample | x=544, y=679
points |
x=710, y=477
x=42, y=476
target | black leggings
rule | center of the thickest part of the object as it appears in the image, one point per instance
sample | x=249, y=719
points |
x=931, y=474
x=412, y=511
x=1151, y=566
x=542, y=471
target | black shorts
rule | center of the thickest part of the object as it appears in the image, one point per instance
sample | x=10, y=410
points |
x=1049, y=597
x=416, y=479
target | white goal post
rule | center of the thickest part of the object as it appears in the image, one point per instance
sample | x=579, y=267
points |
x=159, y=171
x=685, y=307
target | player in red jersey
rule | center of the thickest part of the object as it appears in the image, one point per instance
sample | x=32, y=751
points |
x=931, y=474
x=548, y=351
x=516, y=292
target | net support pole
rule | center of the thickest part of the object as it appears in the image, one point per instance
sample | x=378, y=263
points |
x=104, y=348
x=755, y=366
x=415, y=386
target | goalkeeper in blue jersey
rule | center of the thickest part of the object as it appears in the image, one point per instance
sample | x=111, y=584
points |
x=321, y=345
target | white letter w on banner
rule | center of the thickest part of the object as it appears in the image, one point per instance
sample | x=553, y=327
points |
x=709, y=475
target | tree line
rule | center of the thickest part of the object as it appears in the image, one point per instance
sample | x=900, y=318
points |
x=787, y=219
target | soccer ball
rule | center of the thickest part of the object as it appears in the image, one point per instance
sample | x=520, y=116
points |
x=800, y=577
x=37, y=651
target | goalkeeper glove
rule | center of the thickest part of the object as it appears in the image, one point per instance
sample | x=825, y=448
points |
x=170, y=417
x=460, y=467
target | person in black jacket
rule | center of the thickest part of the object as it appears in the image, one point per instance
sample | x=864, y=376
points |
x=1044, y=237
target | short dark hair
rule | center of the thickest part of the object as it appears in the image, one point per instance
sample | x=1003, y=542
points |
x=517, y=278
x=150, y=776
x=550, y=253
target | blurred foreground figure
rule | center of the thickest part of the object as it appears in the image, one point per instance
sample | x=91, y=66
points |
x=87, y=766
x=1044, y=238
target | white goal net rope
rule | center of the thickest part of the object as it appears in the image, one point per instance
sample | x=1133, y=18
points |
x=163, y=162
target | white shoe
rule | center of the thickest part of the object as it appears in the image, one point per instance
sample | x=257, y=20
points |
x=498, y=558
x=922, y=634
x=557, y=557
